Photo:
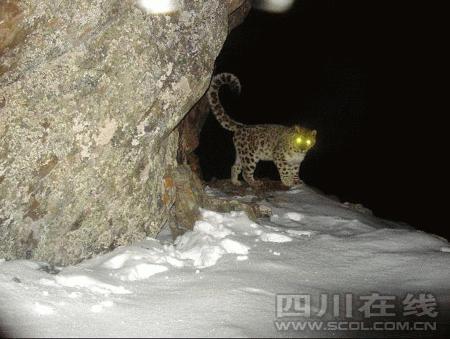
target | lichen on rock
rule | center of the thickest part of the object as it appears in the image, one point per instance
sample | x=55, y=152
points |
x=91, y=92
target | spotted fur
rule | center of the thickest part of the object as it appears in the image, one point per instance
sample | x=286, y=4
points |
x=285, y=146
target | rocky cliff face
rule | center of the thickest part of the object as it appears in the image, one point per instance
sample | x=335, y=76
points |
x=90, y=94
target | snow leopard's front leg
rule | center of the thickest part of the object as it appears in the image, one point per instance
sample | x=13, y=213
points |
x=288, y=172
x=295, y=173
x=289, y=175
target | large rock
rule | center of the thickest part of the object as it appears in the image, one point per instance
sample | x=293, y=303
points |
x=91, y=92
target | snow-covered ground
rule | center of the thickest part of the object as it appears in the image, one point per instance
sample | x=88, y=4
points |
x=232, y=277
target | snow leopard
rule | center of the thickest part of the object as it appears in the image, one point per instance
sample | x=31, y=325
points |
x=286, y=146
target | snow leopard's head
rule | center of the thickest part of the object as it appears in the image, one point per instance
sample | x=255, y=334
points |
x=303, y=139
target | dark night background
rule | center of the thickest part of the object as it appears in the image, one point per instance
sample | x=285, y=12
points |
x=313, y=65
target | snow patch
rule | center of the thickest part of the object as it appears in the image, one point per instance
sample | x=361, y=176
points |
x=293, y=216
x=140, y=272
x=200, y=249
x=233, y=246
x=94, y=285
x=208, y=241
x=43, y=309
x=275, y=237
x=101, y=306
x=174, y=261
x=75, y=295
x=216, y=231
x=117, y=261
x=348, y=252
x=258, y=291
x=301, y=233
x=48, y=282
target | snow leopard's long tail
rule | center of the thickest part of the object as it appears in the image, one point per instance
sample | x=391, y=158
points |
x=214, y=101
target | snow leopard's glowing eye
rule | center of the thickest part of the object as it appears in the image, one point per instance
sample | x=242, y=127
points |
x=298, y=140
x=308, y=142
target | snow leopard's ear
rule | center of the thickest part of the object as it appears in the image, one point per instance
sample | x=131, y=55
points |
x=314, y=132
